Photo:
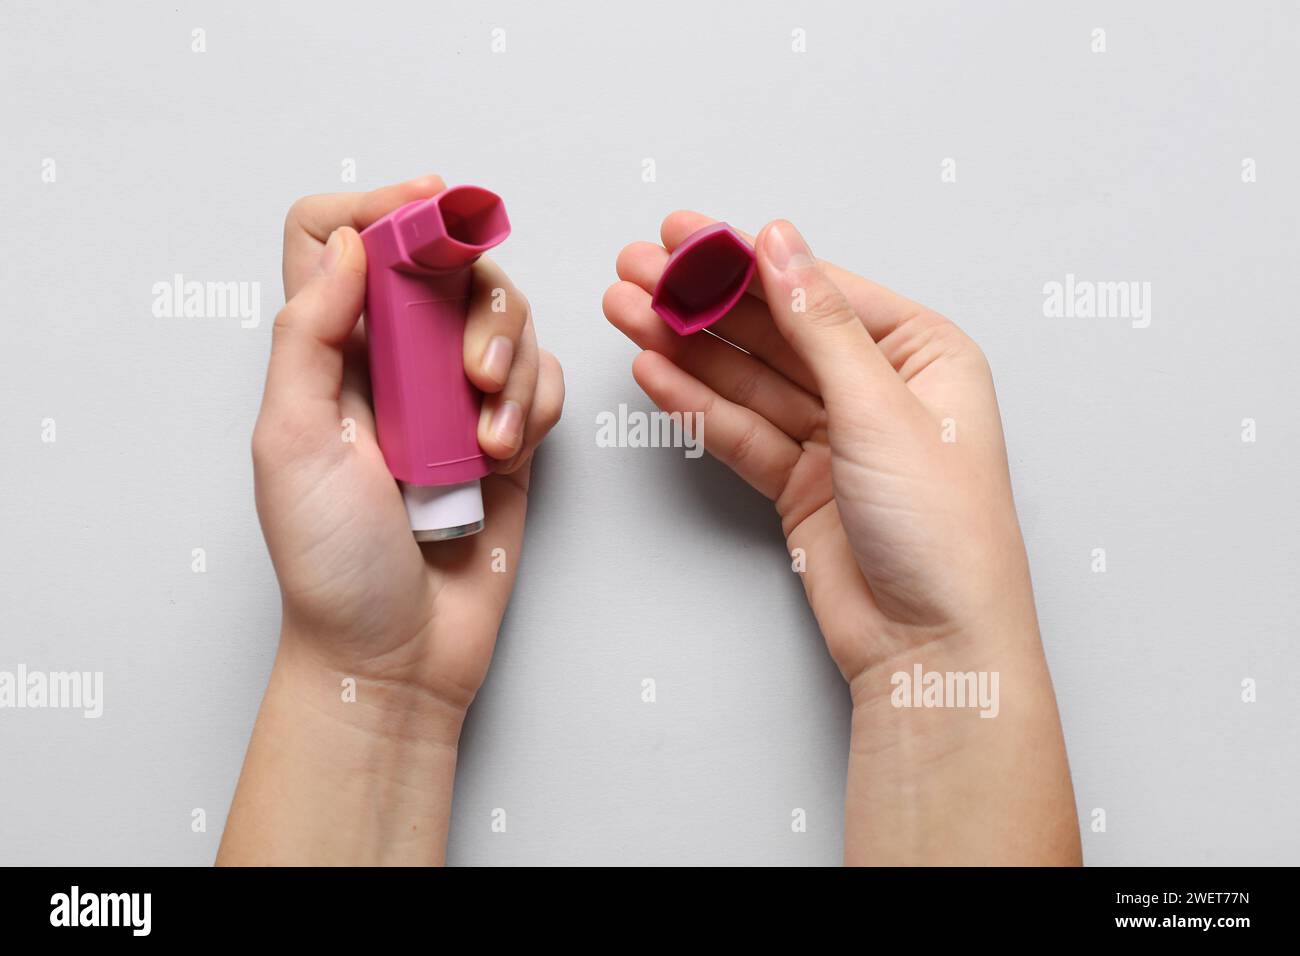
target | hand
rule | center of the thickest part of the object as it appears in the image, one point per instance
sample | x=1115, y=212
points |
x=359, y=593
x=838, y=413
x=871, y=423
x=367, y=778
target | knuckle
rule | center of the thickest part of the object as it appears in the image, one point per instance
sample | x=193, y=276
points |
x=943, y=331
x=552, y=365
x=926, y=337
x=285, y=320
x=522, y=309
x=299, y=210
x=826, y=305
x=525, y=373
x=559, y=370
x=555, y=394
x=501, y=306
x=743, y=447
x=746, y=387
x=946, y=339
x=550, y=409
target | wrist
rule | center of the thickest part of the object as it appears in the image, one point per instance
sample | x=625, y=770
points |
x=957, y=743
x=343, y=769
x=890, y=684
x=376, y=704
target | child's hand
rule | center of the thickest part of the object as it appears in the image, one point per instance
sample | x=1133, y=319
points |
x=871, y=423
x=358, y=591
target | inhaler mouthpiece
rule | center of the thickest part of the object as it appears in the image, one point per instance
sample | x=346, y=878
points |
x=441, y=512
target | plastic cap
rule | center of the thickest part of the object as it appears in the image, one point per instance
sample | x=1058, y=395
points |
x=704, y=278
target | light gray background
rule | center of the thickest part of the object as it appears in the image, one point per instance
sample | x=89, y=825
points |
x=1122, y=165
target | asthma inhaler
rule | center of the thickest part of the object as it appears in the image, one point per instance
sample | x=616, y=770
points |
x=418, y=261
x=703, y=279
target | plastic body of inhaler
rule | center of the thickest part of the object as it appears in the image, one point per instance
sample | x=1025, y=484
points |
x=418, y=275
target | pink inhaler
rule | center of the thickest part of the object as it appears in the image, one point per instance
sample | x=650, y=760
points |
x=704, y=278
x=418, y=261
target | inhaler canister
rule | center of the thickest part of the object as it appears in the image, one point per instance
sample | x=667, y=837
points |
x=418, y=276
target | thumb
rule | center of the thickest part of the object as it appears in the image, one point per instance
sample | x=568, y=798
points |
x=306, y=366
x=815, y=318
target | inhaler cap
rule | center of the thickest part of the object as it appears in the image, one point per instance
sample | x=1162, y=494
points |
x=440, y=512
x=703, y=279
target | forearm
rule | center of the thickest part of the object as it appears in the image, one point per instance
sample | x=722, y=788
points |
x=329, y=780
x=943, y=785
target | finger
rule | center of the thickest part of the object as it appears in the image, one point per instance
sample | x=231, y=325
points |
x=498, y=313
x=548, y=405
x=743, y=440
x=312, y=218
x=880, y=309
x=501, y=421
x=305, y=371
x=748, y=324
x=354, y=393
x=733, y=374
x=854, y=378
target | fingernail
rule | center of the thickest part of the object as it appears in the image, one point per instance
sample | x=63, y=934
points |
x=507, y=422
x=496, y=359
x=786, y=248
x=329, y=259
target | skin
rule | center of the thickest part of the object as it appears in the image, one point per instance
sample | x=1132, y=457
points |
x=832, y=396
x=826, y=392
x=327, y=781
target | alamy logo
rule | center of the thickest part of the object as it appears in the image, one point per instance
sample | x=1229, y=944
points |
x=179, y=299
x=75, y=908
x=626, y=429
x=1085, y=299
x=58, y=690
x=946, y=689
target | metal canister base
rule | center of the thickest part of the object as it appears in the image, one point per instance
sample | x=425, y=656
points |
x=446, y=534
